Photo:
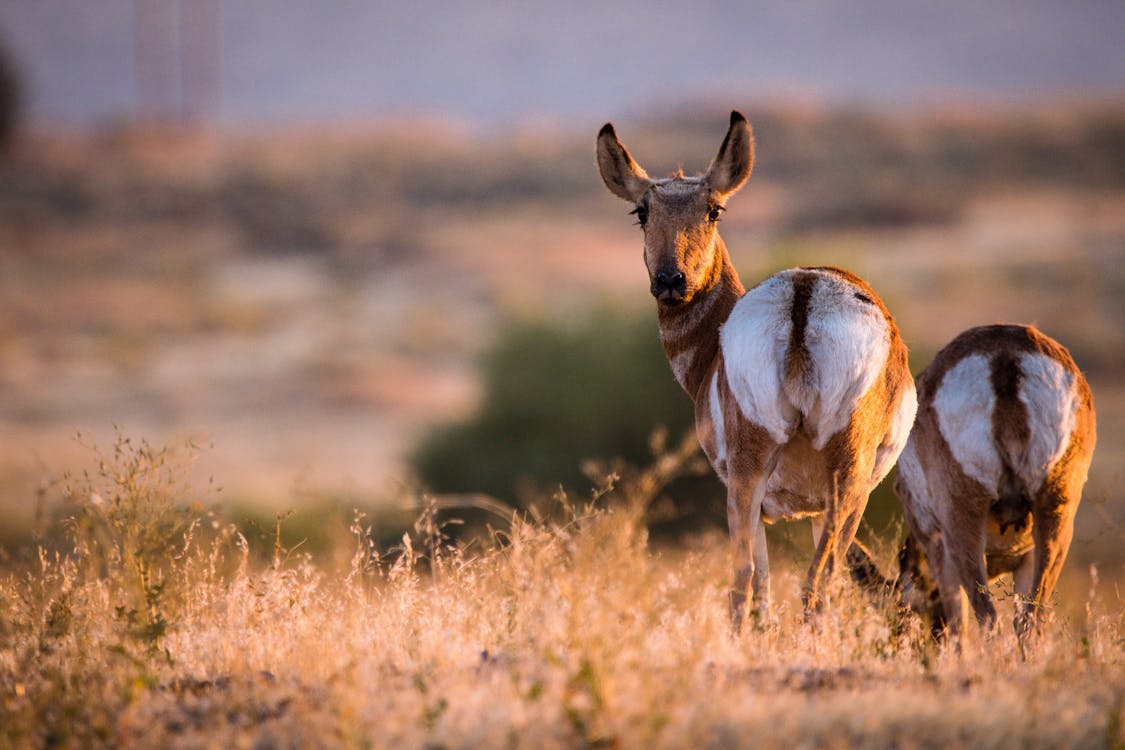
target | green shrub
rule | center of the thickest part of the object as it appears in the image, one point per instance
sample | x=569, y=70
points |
x=556, y=397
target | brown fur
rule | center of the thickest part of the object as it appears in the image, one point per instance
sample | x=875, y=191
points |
x=695, y=328
x=987, y=531
x=797, y=355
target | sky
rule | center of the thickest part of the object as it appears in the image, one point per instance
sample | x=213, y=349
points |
x=486, y=61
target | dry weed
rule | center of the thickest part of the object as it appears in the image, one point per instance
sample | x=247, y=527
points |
x=148, y=632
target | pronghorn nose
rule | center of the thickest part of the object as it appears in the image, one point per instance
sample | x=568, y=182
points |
x=671, y=282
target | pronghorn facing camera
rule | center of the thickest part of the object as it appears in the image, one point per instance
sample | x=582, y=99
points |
x=993, y=472
x=803, y=397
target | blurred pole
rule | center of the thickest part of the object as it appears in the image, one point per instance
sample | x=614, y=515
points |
x=201, y=60
x=11, y=97
x=156, y=64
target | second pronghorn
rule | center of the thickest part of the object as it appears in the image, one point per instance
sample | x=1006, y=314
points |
x=992, y=475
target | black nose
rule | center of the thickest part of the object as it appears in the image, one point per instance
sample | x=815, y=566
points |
x=668, y=282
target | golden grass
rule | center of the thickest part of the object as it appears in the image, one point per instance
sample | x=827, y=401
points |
x=154, y=627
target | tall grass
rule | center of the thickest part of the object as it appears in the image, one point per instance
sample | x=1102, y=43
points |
x=155, y=627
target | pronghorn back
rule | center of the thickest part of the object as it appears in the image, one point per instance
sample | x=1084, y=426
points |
x=996, y=461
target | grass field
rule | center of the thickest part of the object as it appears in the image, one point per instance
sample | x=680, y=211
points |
x=155, y=625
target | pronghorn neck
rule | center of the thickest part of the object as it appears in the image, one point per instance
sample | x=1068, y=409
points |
x=690, y=332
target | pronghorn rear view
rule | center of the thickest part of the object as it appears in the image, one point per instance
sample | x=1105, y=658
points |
x=803, y=397
x=993, y=472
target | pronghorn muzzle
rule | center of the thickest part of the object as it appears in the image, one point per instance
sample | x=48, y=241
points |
x=669, y=287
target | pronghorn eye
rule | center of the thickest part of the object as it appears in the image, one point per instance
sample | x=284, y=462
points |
x=713, y=213
x=641, y=213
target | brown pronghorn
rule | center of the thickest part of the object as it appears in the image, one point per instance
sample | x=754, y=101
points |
x=992, y=474
x=803, y=397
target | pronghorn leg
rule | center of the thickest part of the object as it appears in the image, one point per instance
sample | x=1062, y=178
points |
x=961, y=569
x=819, y=526
x=745, y=492
x=1052, y=528
x=739, y=520
x=974, y=579
x=861, y=567
x=1025, y=621
x=953, y=603
x=848, y=529
x=834, y=534
x=760, y=582
x=865, y=572
x=826, y=529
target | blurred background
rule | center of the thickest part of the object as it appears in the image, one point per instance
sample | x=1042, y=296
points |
x=358, y=249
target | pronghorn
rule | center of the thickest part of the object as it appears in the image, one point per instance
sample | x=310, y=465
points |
x=992, y=474
x=803, y=397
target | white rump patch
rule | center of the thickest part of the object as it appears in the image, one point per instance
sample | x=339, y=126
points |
x=1047, y=391
x=848, y=341
x=964, y=403
x=754, y=339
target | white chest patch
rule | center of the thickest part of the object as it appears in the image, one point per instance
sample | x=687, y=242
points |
x=681, y=365
x=1047, y=391
x=964, y=403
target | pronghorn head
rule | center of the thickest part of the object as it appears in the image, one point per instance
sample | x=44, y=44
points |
x=679, y=215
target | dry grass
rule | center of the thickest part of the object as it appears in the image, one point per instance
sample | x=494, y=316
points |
x=154, y=627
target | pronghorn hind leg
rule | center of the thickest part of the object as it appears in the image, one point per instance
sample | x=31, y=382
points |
x=861, y=567
x=957, y=557
x=833, y=535
x=826, y=531
x=1052, y=528
x=864, y=571
x=822, y=559
x=1025, y=622
x=760, y=581
x=953, y=603
x=746, y=488
x=973, y=569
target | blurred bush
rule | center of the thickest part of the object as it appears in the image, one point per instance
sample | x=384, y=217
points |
x=557, y=396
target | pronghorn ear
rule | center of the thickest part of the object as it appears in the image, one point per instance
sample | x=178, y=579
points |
x=735, y=159
x=623, y=176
